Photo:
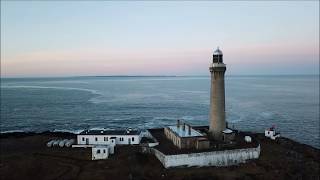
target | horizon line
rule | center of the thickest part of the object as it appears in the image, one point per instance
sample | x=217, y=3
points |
x=101, y=76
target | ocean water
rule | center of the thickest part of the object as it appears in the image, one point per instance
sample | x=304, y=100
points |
x=254, y=103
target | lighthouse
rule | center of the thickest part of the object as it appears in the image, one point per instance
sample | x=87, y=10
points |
x=217, y=96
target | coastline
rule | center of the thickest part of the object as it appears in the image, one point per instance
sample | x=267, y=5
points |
x=28, y=154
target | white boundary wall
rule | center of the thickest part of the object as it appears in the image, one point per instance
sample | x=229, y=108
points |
x=149, y=135
x=213, y=158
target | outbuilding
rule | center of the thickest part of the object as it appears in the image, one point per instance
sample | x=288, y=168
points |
x=271, y=133
x=228, y=135
x=100, y=152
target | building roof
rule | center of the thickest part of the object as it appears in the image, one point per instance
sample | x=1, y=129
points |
x=202, y=139
x=217, y=52
x=184, y=133
x=110, y=132
x=227, y=131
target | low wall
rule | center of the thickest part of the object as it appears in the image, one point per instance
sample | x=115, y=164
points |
x=159, y=155
x=153, y=144
x=213, y=158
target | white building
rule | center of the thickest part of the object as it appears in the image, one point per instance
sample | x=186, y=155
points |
x=107, y=137
x=271, y=133
x=100, y=152
x=102, y=142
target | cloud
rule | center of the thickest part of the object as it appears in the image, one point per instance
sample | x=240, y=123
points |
x=153, y=61
x=100, y=62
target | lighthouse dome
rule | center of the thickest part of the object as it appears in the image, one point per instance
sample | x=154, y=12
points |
x=217, y=52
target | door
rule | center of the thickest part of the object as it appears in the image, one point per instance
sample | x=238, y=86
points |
x=129, y=140
x=87, y=140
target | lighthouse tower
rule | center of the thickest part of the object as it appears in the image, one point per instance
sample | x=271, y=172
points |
x=217, y=96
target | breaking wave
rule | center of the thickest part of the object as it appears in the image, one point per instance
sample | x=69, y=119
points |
x=55, y=87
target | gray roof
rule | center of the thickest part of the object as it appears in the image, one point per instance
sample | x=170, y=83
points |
x=227, y=131
x=217, y=52
x=110, y=132
x=184, y=133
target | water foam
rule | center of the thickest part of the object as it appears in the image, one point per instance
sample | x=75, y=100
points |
x=78, y=131
x=95, y=100
x=12, y=131
x=55, y=87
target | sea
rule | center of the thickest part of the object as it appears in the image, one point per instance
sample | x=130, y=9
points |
x=72, y=104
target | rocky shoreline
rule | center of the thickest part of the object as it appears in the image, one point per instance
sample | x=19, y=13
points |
x=27, y=154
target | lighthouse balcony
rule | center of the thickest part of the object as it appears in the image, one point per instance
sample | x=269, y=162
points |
x=218, y=65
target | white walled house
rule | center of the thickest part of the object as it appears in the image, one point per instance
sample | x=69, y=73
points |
x=107, y=137
x=103, y=142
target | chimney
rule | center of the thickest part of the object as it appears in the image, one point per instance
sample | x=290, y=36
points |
x=178, y=124
x=189, y=129
x=184, y=126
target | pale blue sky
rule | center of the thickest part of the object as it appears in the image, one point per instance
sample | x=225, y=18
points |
x=170, y=38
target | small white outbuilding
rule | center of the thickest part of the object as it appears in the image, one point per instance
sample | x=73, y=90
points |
x=100, y=152
x=248, y=139
x=271, y=133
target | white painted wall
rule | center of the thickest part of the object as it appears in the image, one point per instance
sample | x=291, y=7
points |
x=269, y=133
x=102, y=154
x=134, y=139
x=214, y=158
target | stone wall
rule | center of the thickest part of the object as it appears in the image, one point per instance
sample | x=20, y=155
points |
x=181, y=143
x=213, y=158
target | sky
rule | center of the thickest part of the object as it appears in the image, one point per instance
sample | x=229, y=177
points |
x=82, y=38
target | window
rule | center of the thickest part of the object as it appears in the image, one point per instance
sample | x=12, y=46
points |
x=105, y=138
x=82, y=138
x=96, y=139
x=104, y=151
x=121, y=138
x=132, y=138
x=98, y=151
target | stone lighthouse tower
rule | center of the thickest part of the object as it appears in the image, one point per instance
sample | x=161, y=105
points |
x=217, y=95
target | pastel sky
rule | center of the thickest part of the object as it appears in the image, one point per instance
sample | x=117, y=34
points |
x=79, y=38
